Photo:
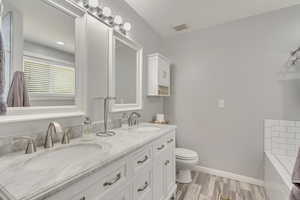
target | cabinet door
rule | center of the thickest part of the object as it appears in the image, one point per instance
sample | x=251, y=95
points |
x=170, y=172
x=97, y=46
x=123, y=195
x=159, y=149
x=142, y=186
x=163, y=72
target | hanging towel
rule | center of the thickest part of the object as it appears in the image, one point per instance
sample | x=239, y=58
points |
x=18, y=95
x=295, y=193
x=2, y=78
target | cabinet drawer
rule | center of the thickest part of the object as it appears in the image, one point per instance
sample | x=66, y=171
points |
x=107, y=183
x=141, y=159
x=143, y=185
x=159, y=145
x=95, y=185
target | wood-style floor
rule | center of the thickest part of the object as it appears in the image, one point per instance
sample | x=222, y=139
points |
x=210, y=187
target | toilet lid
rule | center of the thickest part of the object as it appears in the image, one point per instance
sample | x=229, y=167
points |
x=185, y=154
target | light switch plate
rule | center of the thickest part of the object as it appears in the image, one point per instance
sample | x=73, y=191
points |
x=221, y=103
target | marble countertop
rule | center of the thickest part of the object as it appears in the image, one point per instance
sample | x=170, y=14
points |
x=37, y=176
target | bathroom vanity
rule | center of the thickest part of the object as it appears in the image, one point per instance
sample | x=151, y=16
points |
x=135, y=164
x=89, y=61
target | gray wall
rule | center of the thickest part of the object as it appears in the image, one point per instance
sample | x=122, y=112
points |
x=237, y=62
x=151, y=42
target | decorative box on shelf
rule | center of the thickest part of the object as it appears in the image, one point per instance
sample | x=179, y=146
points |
x=158, y=75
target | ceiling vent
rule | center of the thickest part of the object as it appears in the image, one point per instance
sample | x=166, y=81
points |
x=180, y=27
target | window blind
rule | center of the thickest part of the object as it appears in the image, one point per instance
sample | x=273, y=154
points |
x=46, y=79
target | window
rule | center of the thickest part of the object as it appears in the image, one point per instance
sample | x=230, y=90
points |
x=45, y=78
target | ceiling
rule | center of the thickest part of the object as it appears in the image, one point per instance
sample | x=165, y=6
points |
x=162, y=15
x=43, y=24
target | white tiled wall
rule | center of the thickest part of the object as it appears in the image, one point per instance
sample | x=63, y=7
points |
x=282, y=137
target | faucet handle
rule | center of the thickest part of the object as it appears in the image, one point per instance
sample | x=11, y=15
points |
x=31, y=146
x=66, y=136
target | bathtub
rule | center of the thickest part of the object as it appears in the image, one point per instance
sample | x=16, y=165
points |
x=277, y=175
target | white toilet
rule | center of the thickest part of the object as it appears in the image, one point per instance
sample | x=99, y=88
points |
x=185, y=161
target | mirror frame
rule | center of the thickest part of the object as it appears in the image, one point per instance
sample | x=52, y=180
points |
x=112, y=72
x=34, y=113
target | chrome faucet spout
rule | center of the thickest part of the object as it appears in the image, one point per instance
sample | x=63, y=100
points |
x=107, y=131
x=133, y=119
x=53, y=128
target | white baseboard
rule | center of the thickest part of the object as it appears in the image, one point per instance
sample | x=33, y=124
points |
x=230, y=175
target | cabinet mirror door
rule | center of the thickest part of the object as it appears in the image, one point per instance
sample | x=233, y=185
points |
x=39, y=45
x=126, y=74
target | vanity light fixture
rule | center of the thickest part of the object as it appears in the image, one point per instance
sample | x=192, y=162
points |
x=104, y=14
x=127, y=26
x=93, y=3
x=81, y=3
x=94, y=6
x=118, y=20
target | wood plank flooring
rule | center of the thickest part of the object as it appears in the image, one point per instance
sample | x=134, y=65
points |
x=210, y=187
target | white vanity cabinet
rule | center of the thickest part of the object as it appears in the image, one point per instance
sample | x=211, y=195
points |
x=145, y=174
x=158, y=75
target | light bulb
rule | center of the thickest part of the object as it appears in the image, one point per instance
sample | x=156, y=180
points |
x=127, y=26
x=93, y=3
x=118, y=20
x=106, y=12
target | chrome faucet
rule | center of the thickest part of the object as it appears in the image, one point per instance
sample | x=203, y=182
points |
x=107, y=131
x=133, y=119
x=53, y=127
x=66, y=136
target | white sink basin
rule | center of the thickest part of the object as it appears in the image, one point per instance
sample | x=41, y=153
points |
x=64, y=158
x=56, y=164
x=140, y=129
x=147, y=129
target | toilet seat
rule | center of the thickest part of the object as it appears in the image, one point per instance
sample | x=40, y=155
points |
x=185, y=154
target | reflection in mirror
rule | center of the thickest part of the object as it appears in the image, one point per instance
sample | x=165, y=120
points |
x=39, y=42
x=126, y=71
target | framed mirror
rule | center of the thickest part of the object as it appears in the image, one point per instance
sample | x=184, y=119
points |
x=40, y=54
x=126, y=73
x=41, y=45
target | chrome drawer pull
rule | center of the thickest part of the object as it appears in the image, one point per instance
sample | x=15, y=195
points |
x=170, y=141
x=161, y=147
x=167, y=162
x=114, y=181
x=144, y=187
x=142, y=161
